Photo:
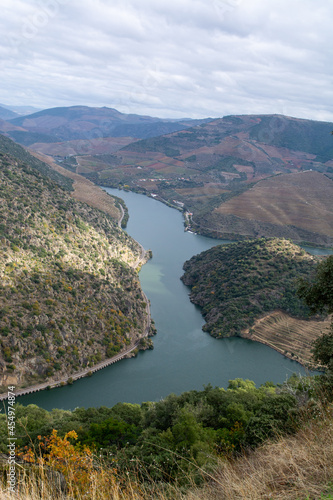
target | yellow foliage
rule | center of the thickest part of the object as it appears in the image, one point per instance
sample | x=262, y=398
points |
x=77, y=465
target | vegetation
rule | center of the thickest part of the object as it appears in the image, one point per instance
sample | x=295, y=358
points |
x=201, y=444
x=318, y=295
x=168, y=440
x=239, y=283
x=301, y=135
x=70, y=296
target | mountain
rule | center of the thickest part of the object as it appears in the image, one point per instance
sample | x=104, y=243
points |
x=86, y=123
x=21, y=110
x=7, y=114
x=69, y=290
x=6, y=127
x=234, y=158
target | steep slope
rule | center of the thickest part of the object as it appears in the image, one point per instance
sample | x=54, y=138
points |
x=6, y=127
x=297, y=206
x=7, y=146
x=69, y=293
x=249, y=289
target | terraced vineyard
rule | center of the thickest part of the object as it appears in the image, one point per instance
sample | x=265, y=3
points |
x=290, y=336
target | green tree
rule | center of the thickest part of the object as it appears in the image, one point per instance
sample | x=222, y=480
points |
x=318, y=295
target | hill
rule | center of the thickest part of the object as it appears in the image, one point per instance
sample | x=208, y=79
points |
x=298, y=206
x=21, y=110
x=203, y=167
x=69, y=292
x=249, y=289
x=86, y=124
x=7, y=114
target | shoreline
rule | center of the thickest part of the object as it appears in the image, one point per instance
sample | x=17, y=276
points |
x=74, y=376
x=142, y=259
x=305, y=364
x=288, y=350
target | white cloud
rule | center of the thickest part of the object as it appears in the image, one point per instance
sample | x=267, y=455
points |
x=169, y=58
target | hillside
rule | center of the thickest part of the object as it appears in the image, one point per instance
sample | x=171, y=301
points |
x=297, y=206
x=205, y=166
x=249, y=289
x=88, y=124
x=70, y=294
x=7, y=146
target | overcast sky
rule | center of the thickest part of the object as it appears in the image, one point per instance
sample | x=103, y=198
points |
x=170, y=58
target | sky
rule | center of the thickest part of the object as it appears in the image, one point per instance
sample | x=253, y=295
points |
x=170, y=58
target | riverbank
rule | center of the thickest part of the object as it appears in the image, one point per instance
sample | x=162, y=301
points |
x=87, y=372
x=68, y=380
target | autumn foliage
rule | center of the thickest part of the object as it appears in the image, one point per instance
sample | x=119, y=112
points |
x=76, y=464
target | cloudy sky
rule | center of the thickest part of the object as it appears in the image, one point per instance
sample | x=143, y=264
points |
x=170, y=58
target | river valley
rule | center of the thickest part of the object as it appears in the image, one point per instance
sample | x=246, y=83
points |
x=184, y=357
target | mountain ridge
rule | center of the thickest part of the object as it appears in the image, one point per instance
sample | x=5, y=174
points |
x=87, y=123
x=203, y=167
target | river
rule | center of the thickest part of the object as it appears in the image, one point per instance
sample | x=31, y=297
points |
x=184, y=356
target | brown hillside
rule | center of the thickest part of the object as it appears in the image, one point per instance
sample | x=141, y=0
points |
x=303, y=200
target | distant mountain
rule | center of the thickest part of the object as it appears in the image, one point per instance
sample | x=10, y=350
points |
x=86, y=123
x=7, y=114
x=21, y=110
x=6, y=126
x=204, y=166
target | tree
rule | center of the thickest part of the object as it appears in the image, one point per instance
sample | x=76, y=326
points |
x=318, y=295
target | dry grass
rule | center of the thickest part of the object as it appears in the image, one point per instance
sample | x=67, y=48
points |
x=296, y=467
x=32, y=487
x=290, y=468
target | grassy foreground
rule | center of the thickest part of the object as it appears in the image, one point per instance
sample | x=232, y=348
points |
x=289, y=467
